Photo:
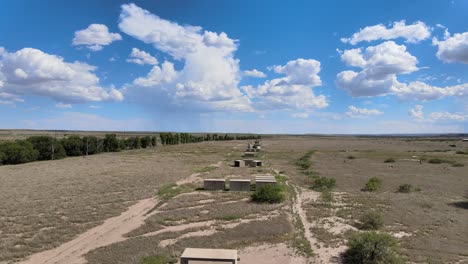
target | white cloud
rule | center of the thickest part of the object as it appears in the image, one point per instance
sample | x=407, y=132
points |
x=95, y=37
x=355, y=112
x=208, y=80
x=452, y=48
x=424, y=92
x=95, y=107
x=300, y=115
x=62, y=105
x=32, y=72
x=9, y=99
x=417, y=112
x=255, y=73
x=413, y=33
x=380, y=64
x=292, y=92
x=141, y=57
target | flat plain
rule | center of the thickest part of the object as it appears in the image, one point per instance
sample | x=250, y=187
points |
x=48, y=207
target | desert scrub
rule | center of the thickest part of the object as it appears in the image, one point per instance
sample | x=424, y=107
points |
x=204, y=169
x=389, y=160
x=322, y=183
x=371, y=221
x=304, y=162
x=458, y=164
x=269, y=194
x=372, y=248
x=351, y=157
x=373, y=184
x=158, y=260
x=462, y=152
x=407, y=188
x=171, y=190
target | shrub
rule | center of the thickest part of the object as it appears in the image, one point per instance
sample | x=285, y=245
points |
x=146, y=142
x=268, y=194
x=90, y=145
x=458, y=164
x=371, y=221
x=405, y=188
x=2, y=157
x=47, y=147
x=322, y=183
x=462, y=152
x=304, y=161
x=351, y=157
x=390, y=160
x=436, y=161
x=372, y=247
x=111, y=144
x=17, y=152
x=73, y=145
x=157, y=260
x=373, y=184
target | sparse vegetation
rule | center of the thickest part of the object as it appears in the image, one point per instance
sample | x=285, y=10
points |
x=171, y=190
x=390, y=160
x=322, y=183
x=269, y=194
x=373, y=184
x=351, y=157
x=462, y=152
x=204, y=169
x=406, y=188
x=372, y=248
x=371, y=220
x=304, y=162
x=158, y=260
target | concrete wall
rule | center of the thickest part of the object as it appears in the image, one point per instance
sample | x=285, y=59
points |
x=214, y=184
x=239, y=185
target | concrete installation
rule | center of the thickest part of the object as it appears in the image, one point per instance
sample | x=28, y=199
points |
x=253, y=163
x=263, y=180
x=239, y=163
x=239, y=185
x=214, y=184
x=195, y=255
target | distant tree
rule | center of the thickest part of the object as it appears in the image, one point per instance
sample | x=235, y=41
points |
x=146, y=142
x=153, y=141
x=111, y=143
x=20, y=151
x=2, y=157
x=89, y=145
x=47, y=147
x=73, y=145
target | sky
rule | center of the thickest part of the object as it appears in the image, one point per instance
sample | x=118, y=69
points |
x=295, y=67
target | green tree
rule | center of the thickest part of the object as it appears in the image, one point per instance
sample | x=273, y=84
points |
x=146, y=142
x=20, y=151
x=111, y=143
x=153, y=141
x=48, y=148
x=89, y=145
x=372, y=248
x=73, y=145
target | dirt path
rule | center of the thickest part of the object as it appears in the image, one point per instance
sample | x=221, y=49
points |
x=111, y=231
x=322, y=253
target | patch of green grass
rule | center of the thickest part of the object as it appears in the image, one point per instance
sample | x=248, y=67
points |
x=281, y=178
x=322, y=183
x=158, y=260
x=229, y=217
x=204, y=169
x=373, y=184
x=304, y=162
x=171, y=190
x=390, y=160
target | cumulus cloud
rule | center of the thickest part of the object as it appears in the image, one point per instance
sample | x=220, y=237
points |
x=452, y=48
x=209, y=76
x=33, y=72
x=255, y=73
x=379, y=66
x=425, y=92
x=355, y=112
x=293, y=91
x=413, y=33
x=95, y=37
x=9, y=99
x=141, y=57
x=62, y=105
x=417, y=114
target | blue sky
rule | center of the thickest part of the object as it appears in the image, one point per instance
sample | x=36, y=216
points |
x=235, y=66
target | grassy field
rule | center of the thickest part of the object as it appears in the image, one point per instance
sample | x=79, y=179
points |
x=45, y=204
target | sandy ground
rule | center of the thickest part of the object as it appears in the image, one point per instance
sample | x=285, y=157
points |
x=111, y=231
x=270, y=254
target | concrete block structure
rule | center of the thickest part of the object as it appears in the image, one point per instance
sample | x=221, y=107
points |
x=250, y=154
x=253, y=163
x=214, y=184
x=239, y=163
x=239, y=185
x=196, y=255
x=263, y=180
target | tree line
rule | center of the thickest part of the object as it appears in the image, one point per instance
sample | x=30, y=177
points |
x=49, y=148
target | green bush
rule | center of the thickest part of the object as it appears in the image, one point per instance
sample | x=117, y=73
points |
x=373, y=184
x=73, y=145
x=2, y=157
x=405, y=188
x=17, y=152
x=111, y=143
x=351, y=157
x=269, y=194
x=304, y=161
x=322, y=183
x=390, y=160
x=436, y=161
x=90, y=145
x=48, y=148
x=372, y=248
x=371, y=221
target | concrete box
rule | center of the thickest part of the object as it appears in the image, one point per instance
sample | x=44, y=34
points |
x=209, y=255
x=259, y=163
x=262, y=183
x=250, y=163
x=239, y=185
x=214, y=184
x=239, y=163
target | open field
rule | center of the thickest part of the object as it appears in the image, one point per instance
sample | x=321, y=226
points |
x=47, y=203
